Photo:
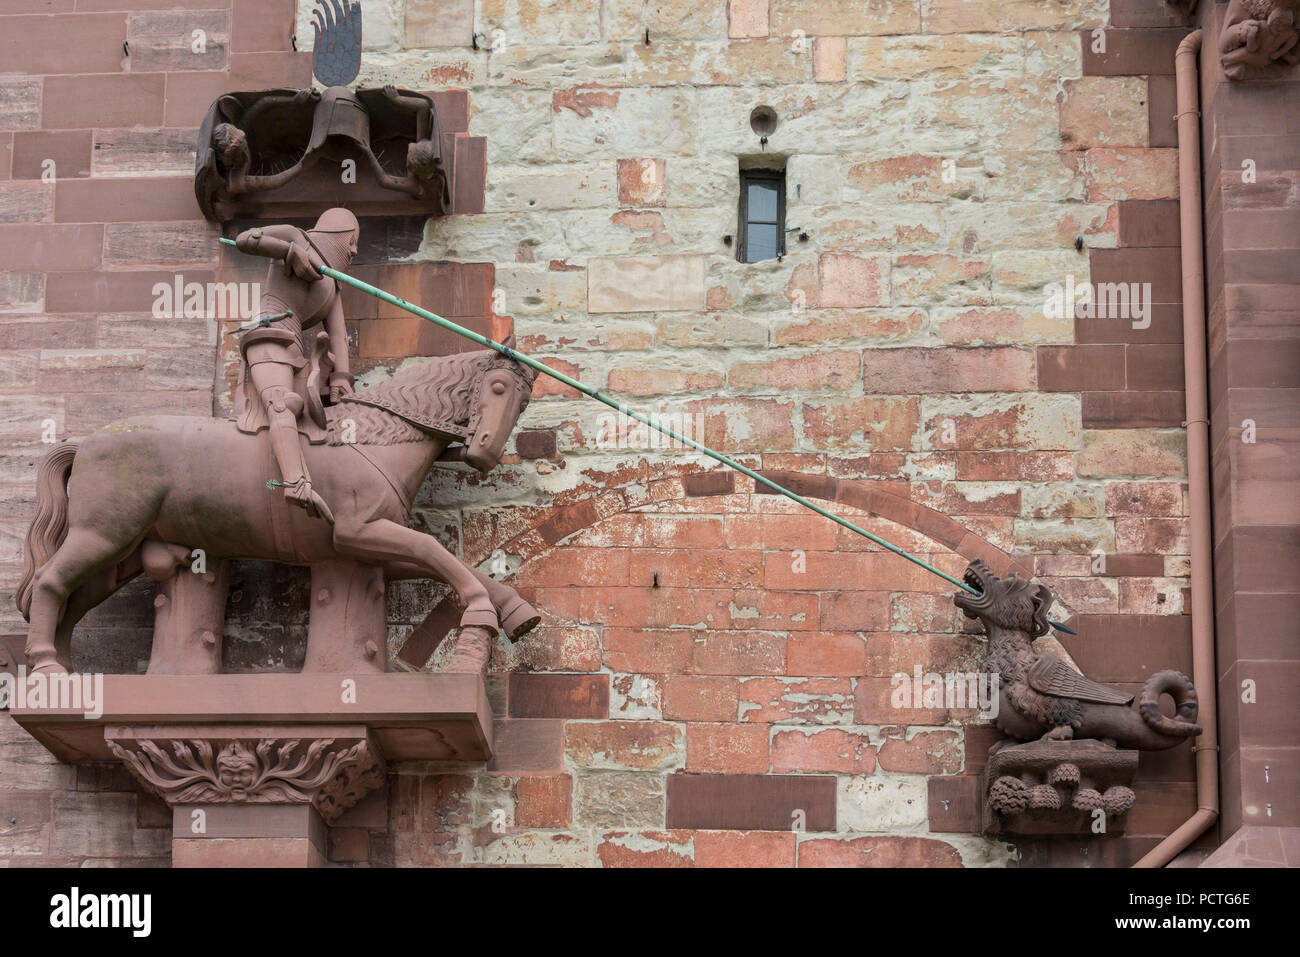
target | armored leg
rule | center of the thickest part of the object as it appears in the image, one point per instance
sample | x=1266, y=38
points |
x=283, y=406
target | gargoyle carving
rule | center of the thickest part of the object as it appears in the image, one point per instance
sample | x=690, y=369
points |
x=290, y=151
x=1257, y=33
x=1043, y=697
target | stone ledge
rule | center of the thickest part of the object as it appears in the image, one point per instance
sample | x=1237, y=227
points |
x=410, y=716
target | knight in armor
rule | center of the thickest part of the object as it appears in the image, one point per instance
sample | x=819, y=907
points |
x=279, y=348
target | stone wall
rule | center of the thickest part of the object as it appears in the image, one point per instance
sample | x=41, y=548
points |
x=711, y=660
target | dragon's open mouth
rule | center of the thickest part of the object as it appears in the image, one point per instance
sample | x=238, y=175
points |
x=979, y=577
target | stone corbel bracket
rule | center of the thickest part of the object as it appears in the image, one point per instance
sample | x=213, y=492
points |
x=286, y=153
x=1055, y=787
x=329, y=768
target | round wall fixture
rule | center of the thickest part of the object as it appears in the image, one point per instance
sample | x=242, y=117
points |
x=762, y=120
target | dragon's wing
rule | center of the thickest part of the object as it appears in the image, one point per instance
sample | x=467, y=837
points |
x=1050, y=675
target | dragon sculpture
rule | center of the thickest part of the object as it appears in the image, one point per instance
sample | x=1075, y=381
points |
x=1043, y=697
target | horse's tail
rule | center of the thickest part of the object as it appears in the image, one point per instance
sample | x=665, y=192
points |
x=50, y=526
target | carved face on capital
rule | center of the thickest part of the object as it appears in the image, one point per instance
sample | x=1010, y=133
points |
x=1011, y=603
x=236, y=768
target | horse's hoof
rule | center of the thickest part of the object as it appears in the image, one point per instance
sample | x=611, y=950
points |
x=519, y=618
x=480, y=618
x=48, y=668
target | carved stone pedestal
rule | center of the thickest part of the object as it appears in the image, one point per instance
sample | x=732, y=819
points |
x=1058, y=787
x=256, y=767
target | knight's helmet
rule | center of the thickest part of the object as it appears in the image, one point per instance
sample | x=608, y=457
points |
x=334, y=235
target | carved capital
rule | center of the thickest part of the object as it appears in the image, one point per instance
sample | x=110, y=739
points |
x=328, y=768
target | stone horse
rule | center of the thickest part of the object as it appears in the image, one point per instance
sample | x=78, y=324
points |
x=145, y=494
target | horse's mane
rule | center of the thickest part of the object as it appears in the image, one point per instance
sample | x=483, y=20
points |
x=433, y=396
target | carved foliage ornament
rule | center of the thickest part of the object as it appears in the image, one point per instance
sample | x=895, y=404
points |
x=330, y=774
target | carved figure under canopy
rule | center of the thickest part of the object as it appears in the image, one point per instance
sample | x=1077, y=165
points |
x=291, y=148
x=1258, y=33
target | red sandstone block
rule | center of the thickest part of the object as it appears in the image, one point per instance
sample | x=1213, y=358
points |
x=760, y=802
x=694, y=567
x=1133, y=410
x=828, y=571
x=564, y=521
x=86, y=411
x=957, y=498
x=923, y=612
x=559, y=696
x=544, y=801
x=780, y=532
x=73, y=43
x=470, y=175
x=1131, y=52
x=854, y=611
x=727, y=748
x=830, y=751
x=1080, y=368
x=954, y=804
x=106, y=100
x=349, y=845
x=771, y=700
x=912, y=371
x=926, y=752
x=739, y=653
x=43, y=247
x=639, y=745
x=878, y=852
x=69, y=150
x=771, y=610
x=867, y=422
x=1144, y=498
x=532, y=744
x=699, y=698
x=645, y=849
x=834, y=370
x=890, y=653
x=545, y=385
x=809, y=486
x=745, y=849
x=825, y=654
x=1158, y=266
x=262, y=25
x=1024, y=465
x=853, y=281
x=453, y=109
x=745, y=425
x=575, y=566
x=717, y=482
x=649, y=652
x=536, y=444
x=1154, y=366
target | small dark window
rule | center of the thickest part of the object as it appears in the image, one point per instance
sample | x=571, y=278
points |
x=762, y=215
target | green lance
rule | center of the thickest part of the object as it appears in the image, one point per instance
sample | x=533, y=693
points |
x=633, y=414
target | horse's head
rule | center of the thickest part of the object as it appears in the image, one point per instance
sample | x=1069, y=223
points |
x=501, y=392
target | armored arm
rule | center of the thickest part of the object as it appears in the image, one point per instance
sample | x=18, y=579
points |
x=286, y=243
